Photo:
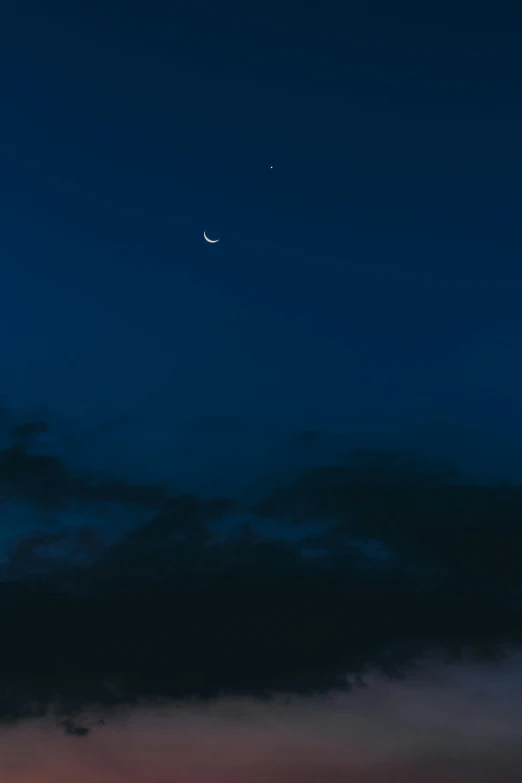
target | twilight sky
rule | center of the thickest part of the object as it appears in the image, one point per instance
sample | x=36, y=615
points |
x=271, y=467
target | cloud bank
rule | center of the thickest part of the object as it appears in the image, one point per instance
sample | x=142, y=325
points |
x=389, y=559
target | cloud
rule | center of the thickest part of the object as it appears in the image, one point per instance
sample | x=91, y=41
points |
x=27, y=431
x=46, y=483
x=72, y=729
x=46, y=552
x=445, y=724
x=176, y=608
x=473, y=533
x=27, y=553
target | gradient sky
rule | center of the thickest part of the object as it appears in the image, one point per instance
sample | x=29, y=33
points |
x=450, y=725
x=362, y=168
x=369, y=282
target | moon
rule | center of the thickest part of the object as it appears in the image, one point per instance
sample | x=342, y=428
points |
x=210, y=240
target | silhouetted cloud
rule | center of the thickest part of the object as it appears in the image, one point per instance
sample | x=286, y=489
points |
x=175, y=608
x=417, y=510
x=72, y=730
x=73, y=546
x=47, y=483
x=26, y=554
x=25, y=432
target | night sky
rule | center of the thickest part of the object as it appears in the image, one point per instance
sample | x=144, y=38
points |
x=260, y=500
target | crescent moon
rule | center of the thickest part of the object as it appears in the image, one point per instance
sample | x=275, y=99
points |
x=210, y=240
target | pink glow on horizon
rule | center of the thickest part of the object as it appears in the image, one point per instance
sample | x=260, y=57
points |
x=452, y=725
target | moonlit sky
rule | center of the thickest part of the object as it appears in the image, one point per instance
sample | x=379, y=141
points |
x=369, y=283
x=362, y=169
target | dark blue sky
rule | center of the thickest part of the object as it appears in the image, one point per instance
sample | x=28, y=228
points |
x=216, y=460
x=368, y=285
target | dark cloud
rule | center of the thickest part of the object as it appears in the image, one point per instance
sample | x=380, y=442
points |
x=47, y=483
x=140, y=495
x=471, y=532
x=175, y=608
x=27, y=431
x=27, y=555
x=45, y=552
x=72, y=730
